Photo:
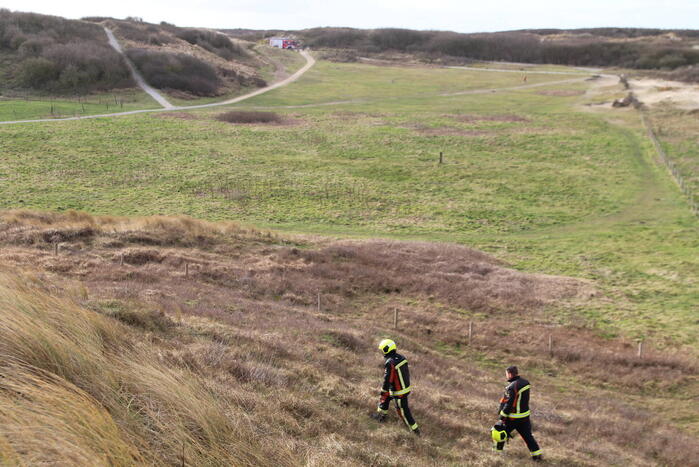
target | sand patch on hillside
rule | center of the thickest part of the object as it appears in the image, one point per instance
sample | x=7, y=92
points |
x=655, y=91
x=650, y=92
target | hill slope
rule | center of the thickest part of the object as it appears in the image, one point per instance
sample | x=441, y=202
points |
x=56, y=55
x=48, y=54
x=188, y=61
x=215, y=363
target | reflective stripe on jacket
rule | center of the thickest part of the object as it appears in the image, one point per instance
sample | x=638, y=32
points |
x=515, y=401
x=396, y=378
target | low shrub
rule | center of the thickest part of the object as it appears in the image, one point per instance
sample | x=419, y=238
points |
x=148, y=320
x=58, y=55
x=339, y=56
x=516, y=46
x=180, y=72
x=242, y=116
x=688, y=74
x=214, y=42
x=139, y=32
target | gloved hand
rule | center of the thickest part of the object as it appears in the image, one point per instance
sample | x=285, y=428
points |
x=385, y=395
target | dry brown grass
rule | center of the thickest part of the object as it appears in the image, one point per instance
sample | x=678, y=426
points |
x=77, y=387
x=237, y=354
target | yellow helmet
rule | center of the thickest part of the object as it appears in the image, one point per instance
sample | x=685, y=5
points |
x=386, y=346
x=498, y=433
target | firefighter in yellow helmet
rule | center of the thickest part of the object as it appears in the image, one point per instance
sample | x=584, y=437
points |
x=396, y=386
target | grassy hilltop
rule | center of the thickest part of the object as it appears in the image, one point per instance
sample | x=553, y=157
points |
x=547, y=218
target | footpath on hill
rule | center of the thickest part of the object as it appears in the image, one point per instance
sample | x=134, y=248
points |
x=152, y=92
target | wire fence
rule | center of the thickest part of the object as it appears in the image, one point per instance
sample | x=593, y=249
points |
x=671, y=166
x=71, y=105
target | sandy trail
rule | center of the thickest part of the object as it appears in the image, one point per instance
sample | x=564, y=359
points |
x=152, y=92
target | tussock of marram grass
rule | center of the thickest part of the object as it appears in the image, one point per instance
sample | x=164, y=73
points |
x=45, y=419
x=76, y=388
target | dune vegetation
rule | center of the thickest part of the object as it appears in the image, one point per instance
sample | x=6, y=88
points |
x=117, y=353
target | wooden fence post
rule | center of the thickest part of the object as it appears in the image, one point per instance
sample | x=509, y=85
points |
x=395, y=318
x=186, y=269
x=441, y=157
x=319, y=301
x=121, y=260
x=470, y=331
x=550, y=344
x=640, y=349
x=55, y=249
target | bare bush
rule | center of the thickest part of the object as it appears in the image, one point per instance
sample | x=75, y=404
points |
x=212, y=41
x=139, y=32
x=59, y=55
x=181, y=72
x=244, y=116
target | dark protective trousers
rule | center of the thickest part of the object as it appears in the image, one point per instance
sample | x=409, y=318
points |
x=402, y=408
x=524, y=428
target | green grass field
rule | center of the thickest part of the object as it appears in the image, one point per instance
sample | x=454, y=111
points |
x=677, y=131
x=527, y=176
x=37, y=107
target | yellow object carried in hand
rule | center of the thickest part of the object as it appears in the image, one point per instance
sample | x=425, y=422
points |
x=498, y=433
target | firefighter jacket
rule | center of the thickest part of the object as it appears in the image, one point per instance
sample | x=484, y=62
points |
x=396, y=378
x=515, y=402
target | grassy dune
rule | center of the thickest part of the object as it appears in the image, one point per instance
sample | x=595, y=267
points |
x=124, y=362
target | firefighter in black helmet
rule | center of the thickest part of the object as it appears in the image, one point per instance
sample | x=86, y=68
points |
x=514, y=413
x=396, y=386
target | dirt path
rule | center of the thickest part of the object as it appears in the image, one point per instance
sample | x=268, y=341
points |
x=526, y=72
x=514, y=88
x=152, y=92
x=310, y=61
